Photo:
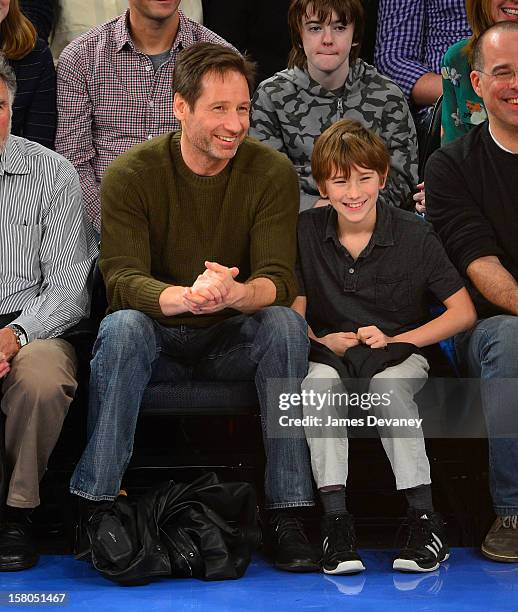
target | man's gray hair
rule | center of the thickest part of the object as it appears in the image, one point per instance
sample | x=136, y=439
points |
x=8, y=77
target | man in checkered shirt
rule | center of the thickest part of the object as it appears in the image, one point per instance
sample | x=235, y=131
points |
x=115, y=88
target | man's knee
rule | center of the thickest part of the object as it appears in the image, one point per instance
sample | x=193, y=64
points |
x=283, y=323
x=127, y=329
x=44, y=374
x=499, y=340
x=320, y=371
x=501, y=329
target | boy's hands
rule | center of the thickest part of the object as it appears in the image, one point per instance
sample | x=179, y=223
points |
x=340, y=342
x=373, y=337
x=420, y=199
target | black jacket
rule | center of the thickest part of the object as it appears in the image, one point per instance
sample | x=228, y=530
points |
x=360, y=363
x=206, y=529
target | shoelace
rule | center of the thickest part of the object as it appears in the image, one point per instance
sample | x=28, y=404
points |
x=289, y=523
x=418, y=534
x=510, y=522
x=342, y=532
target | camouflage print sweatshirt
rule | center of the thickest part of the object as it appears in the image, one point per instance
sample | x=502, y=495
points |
x=290, y=111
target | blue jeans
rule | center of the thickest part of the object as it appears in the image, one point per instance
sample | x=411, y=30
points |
x=272, y=343
x=490, y=351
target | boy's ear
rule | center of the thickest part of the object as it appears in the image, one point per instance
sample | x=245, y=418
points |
x=322, y=191
x=383, y=179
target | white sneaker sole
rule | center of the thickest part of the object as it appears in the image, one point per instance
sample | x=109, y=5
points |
x=406, y=565
x=347, y=567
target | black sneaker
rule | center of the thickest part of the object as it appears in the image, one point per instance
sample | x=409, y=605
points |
x=425, y=543
x=291, y=547
x=339, y=545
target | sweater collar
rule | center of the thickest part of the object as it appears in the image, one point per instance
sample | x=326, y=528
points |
x=184, y=171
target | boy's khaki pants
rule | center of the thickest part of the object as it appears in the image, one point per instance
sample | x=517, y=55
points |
x=329, y=445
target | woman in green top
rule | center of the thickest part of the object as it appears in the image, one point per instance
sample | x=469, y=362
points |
x=461, y=106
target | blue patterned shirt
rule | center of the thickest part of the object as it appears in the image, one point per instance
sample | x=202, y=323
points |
x=413, y=36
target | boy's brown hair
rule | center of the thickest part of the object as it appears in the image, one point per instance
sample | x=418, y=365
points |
x=347, y=11
x=345, y=144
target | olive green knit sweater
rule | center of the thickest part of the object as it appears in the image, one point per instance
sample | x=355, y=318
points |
x=160, y=222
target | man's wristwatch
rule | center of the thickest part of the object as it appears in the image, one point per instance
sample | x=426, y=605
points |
x=19, y=332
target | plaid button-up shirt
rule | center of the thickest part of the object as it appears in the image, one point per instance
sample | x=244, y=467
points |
x=110, y=98
x=413, y=36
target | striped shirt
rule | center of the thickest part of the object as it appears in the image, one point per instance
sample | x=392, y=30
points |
x=46, y=246
x=110, y=98
x=413, y=36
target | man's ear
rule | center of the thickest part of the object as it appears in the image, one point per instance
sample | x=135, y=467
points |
x=180, y=107
x=475, y=82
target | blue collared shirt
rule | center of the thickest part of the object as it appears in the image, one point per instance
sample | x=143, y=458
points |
x=414, y=35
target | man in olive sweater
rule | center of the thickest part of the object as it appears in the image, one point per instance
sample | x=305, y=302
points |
x=198, y=251
x=472, y=198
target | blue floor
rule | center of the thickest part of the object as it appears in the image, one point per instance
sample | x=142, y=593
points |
x=466, y=582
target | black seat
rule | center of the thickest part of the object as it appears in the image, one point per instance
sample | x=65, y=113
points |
x=200, y=397
x=432, y=141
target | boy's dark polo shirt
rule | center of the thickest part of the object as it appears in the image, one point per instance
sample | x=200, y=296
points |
x=386, y=286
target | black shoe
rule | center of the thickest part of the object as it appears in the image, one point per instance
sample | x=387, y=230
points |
x=17, y=550
x=86, y=512
x=339, y=545
x=425, y=543
x=292, y=549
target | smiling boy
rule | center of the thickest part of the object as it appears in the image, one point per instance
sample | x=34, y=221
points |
x=364, y=271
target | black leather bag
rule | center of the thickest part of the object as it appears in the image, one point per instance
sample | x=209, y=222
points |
x=206, y=529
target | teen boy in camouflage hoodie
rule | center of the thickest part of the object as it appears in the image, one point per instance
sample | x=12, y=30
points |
x=326, y=81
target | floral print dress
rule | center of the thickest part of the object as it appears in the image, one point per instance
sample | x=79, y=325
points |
x=461, y=108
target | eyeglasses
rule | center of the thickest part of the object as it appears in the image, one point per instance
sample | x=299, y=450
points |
x=502, y=76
